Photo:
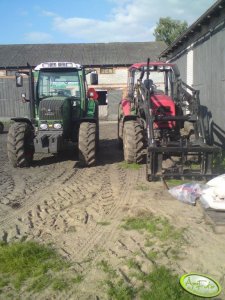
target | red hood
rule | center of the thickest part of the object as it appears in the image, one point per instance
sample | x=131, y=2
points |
x=164, y=101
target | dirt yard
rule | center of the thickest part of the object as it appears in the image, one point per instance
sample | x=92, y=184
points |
x=81, y=212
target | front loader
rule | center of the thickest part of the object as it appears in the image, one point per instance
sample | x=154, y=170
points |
x=161, y=122
x=62, y=110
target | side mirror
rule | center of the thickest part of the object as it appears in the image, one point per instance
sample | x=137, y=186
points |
x=19, y=80
x=94, y=78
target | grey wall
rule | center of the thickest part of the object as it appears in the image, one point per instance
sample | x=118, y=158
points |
x=114, y=97
x=182, y=65
x=208, y=76
x=10, y=99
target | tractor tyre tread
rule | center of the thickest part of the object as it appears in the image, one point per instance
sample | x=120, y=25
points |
x=133, y=142
x=19, y=144
x=87, y=144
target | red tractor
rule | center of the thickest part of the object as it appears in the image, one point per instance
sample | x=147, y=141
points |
x=160, y=118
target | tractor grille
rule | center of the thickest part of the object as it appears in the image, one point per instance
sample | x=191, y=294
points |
x=51, y=109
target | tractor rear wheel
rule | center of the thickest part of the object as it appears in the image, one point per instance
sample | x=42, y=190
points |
x=20, y=145
x=87, y=144
x=119, y=133
x=133, y=142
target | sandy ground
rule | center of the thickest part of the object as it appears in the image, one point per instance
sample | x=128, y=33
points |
x=81, y=212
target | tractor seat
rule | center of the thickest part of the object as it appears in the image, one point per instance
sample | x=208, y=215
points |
x=148, y=83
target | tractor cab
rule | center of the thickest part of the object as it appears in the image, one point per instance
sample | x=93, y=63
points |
x=54, y=80
x=157, y=79
x=62, y=110
x=58, y=93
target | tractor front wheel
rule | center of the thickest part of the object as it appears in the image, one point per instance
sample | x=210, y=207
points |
x=87, y=144
x=20, y=145
x=133, y=142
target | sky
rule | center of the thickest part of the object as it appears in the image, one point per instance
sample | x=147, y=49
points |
x=91, y=21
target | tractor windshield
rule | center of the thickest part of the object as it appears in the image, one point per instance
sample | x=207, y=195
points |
x=160, y=79
x=52, y=83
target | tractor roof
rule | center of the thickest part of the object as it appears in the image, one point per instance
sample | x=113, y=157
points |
x=152, y=63
x=53, y=65
x=155, y=66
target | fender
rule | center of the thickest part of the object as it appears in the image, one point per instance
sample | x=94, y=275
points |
x=129, y=117
x=90, y=120
x=25, y=120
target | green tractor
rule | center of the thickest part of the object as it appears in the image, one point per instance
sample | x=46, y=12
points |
x=62, y=109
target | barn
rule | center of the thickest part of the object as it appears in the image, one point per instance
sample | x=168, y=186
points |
x=200, y=55
x=109, y=60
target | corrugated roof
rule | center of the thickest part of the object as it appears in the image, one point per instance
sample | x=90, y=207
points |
x=96, y=54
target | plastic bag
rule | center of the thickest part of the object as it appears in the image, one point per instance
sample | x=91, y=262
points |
x=218, y=181
x=213, y=198
x=187, y=192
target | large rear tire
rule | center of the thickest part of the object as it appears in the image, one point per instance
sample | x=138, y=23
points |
x=20, y=146
x=119, y=133
x=87, y=144
x=133, y=142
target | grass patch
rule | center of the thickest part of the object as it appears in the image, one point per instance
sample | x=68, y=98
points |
x=219, y=162
x=152, y=255
x=175, y=182
x=103, y=223
x=195, y=166
x=149, y=243
x=163, y=284
x=77, y=279
x=120, y=290
x=132, y=166
x=107, y=268
x=156, y=226
x=142, y=187
x=176, y=254
x=3, y=282
x=60, y=284
x=117, y=287
x=40, y=283
x=133, y=264
x=159, y=284
x=33, y=265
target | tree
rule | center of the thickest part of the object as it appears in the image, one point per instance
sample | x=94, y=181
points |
x=167, y=30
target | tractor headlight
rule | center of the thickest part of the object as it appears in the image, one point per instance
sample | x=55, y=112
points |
x=44, y=126
x=57, y=126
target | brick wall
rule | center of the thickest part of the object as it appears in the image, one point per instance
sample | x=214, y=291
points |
x=118, y=78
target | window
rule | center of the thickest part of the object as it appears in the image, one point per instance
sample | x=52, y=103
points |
x=10, y=73
x=106, y=70
x=58, y=83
